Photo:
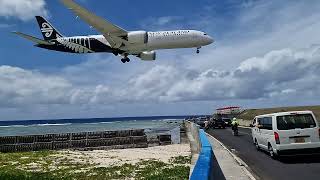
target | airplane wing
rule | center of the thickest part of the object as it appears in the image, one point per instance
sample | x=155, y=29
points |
x=33, y=39
x=111, y=32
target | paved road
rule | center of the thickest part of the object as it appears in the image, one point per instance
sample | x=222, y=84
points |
x=264, y=167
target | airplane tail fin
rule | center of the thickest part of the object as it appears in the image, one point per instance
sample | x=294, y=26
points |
x=47, y=30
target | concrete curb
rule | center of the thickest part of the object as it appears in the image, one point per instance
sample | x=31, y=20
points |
x=236, y=158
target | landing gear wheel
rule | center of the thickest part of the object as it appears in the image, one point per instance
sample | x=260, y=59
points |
x=124, y=60
x=198, y=50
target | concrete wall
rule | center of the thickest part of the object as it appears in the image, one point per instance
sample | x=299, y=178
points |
x=193, y=130
x=200, y=145
x=79, y=140
x=203, y=167
x=175, y=135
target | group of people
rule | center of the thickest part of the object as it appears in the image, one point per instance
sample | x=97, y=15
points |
x=234, y=125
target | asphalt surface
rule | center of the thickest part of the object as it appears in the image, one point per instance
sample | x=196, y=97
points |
x=261, y=164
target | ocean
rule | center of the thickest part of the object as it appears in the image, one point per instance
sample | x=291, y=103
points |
x=35, y=127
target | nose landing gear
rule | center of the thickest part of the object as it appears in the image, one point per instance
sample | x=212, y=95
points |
x=198, y=50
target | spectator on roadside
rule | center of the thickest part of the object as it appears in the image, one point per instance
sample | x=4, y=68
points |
x=206, y=124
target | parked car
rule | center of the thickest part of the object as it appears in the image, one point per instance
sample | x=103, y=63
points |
x=287, y=133
x=218, y=123
x=200, y=121
x=227, y=121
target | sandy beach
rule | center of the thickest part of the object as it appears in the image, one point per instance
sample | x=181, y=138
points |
x=105, y=158
x=135, y=163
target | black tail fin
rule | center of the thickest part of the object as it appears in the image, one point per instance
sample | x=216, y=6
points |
x=47, y=30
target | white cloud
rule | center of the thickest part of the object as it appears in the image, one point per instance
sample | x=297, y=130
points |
x=22, y=9
x=282, y=75
x=21, y=87
x=285, y=71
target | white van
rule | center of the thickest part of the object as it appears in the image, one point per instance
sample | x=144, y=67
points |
x=287, y=133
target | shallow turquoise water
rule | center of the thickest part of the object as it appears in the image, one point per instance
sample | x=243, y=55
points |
x=148, y=125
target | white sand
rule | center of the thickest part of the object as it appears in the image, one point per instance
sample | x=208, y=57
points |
x=131, y=156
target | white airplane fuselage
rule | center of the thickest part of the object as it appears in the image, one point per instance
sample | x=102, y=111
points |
x=172, y=40
x=155, y=40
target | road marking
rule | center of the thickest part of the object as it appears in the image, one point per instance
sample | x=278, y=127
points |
x=236, y=158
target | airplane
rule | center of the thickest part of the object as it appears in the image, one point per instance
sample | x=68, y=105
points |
x=115, y=39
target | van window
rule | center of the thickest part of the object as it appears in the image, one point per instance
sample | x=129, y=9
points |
x=266, y=123
x=295, y=121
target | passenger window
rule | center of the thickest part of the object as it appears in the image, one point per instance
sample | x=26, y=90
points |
x=260, y=121
x=295, y=121
x=266, y=123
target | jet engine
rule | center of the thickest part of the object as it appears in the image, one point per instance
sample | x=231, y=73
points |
x=147, y=56
x=138, y=37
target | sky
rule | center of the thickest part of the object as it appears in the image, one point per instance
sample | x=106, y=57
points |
x=266, y=53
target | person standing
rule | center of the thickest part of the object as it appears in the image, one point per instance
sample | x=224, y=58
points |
x=234, y=126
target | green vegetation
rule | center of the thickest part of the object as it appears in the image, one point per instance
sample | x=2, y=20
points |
x=51, y=165
x=181, y=160
x=249, y=114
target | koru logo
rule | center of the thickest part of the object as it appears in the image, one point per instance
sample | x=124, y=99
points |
x=47, y=29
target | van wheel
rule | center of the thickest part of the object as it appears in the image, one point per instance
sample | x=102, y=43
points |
x=271, y=153
x=257, y=145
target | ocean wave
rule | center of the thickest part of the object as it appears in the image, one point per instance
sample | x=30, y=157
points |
x=13, y=126
x=32, y=125
x=110, y=122
x=171, y=119
x=64, y=124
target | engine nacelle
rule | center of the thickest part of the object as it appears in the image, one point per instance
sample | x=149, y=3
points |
x=147, y=56
x=138, y=37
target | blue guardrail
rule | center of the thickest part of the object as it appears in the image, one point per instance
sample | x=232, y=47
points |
x=203, y=167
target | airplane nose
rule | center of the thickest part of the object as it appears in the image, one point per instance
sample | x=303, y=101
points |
x=210, y=40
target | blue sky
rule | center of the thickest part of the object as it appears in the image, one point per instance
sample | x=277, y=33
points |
x=266, y=54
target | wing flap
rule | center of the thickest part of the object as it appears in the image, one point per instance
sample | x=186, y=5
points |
x=95, y=21
x=33, y=39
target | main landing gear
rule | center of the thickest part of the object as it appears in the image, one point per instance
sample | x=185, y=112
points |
x=125, y=58
x=198, y=50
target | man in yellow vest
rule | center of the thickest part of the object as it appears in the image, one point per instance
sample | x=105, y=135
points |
x=234, y=122
x=234, y=125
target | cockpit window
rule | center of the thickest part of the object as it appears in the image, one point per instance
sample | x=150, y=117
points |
x=205, y=34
